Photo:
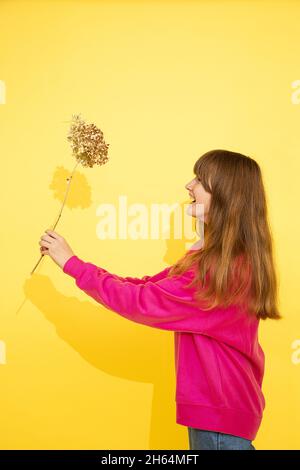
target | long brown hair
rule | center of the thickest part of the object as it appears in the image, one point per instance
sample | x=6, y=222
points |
x=236, y=262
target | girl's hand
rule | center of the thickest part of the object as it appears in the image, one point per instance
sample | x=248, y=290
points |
x=56, y=247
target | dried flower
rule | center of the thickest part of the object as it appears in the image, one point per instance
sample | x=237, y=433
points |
x=87, y=142
x=89, y=149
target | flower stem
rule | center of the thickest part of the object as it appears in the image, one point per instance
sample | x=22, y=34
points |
x=60, y=212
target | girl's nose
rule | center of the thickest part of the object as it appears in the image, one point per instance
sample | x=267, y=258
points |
x=188, y=185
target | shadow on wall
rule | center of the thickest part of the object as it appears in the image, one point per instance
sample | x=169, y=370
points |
x=80, y=191
x=119, y=347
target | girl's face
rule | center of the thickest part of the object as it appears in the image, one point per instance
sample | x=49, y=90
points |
x=199, y=196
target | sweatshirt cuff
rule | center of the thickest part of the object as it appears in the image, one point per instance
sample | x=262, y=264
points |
x=74, y=266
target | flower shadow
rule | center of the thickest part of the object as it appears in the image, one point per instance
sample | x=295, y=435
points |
x=79, y=195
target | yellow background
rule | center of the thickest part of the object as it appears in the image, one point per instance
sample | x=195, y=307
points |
x=166, y=82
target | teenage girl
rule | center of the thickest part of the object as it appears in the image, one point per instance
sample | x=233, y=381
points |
x=212, y=299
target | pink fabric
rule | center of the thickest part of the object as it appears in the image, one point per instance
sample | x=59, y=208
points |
x=219, y=362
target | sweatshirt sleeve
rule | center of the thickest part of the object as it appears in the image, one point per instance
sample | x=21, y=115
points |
x=136, y=280
x=165, y=304
x=133, y=280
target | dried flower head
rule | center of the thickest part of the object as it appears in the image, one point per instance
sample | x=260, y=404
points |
x=87, y=142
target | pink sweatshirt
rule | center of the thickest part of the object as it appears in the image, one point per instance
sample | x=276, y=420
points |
x=219, y=362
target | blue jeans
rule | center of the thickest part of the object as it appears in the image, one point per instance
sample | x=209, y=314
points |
x=210, y=440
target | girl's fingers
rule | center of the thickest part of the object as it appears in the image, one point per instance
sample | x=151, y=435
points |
x=44, y=243
x=47, y=237
x=53, y=234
